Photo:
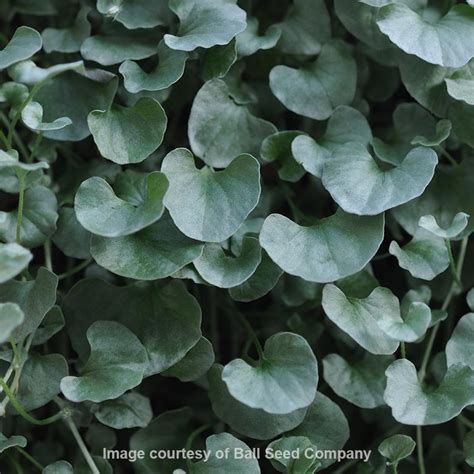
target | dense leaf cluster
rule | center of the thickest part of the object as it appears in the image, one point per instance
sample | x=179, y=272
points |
x=236, y=224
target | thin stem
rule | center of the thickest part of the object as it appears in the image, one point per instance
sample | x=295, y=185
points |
x=419, y=450
x=30, y=458
x=82, y=446
x=21, y=204
x=452, y=265
x=16, y=353
x=403, y=352
x=191, y=438
x=15, y=464
x=444, y=307
x=47, y=255
x=253, y=336
x=35, y=147
x=21, y=411
x=394, y=469
x=75, y=269
x=213, y=319
x=4, y=140
x=465, y=421
x=447, y=155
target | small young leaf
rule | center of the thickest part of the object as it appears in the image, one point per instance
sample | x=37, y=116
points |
x=226, y=271
x=425, y=256
x=58, y=467
x=249, y=42
x=117, y=363
x=169, y=70
x=11, y=442
x=458, y=224
x=130, y=410
x=396, y=448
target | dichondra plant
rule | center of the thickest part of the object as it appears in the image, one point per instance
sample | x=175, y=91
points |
x=235, y=236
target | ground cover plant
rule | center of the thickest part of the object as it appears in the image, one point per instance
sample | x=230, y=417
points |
x=236, y=227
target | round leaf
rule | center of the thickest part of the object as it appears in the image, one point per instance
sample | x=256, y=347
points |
x=397, y=447
x=458, y=224
x=128, y=135
x=287, y=357
x=13, y=259
x=137, y=204
x=225, y=271
x=25, y=42
x=316, y=90
x=214, y=118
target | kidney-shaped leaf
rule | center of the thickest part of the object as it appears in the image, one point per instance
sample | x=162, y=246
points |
x=316, y=90
x=214, y=118
x=458, y=224
x=155, y=252
x=359, y=317
x=131, y=410
x=283, y=381
x=252, y=422
x=128, y=135
x=351, y=165
x=361, y=383
x=397, y=447
x=412, y=405
x=117, y=363
x=459, y=349
x=205, y=23
x=170, y=68
x=203, y=202
x=225, y=271
x=448, y=41
x=333, y=248
x=135, y=203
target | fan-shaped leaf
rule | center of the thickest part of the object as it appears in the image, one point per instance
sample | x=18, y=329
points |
x=215, y=115
x=435, y=42
x=316, y=90
x=252, y=422
x=286, y=357
x=205, y=23
x=127, y=135
x=206, y=211
x=458, y=224
x=136, y=203
x=155, y=252
x=352, y=164
x=359, y=317
x=362, y=383
x=335, y=247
